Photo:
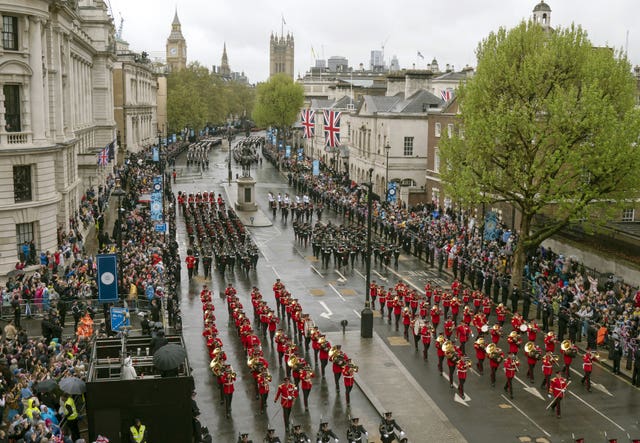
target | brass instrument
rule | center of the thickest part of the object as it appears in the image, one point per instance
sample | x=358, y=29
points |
x=532, y=351
x=450, y=351
x=494, y=352
x=467, y=361
x=514, y=335
x=279, y=333
x=353, y=367
x=440, y=339
x=293, y=361
x=568, y=348
x=595, y=355
x=480, y=342
x=332, y=352
x=216, y=367
x=268, y=377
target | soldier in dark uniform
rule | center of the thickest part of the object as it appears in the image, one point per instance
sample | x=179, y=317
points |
x=388, y=427
x=271, y=437
x=244, y=438
x=206, y=262
x=325, y=434
x=299, y=436
x=356, y=432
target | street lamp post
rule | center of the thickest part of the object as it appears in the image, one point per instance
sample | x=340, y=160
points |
x=366, y=316
x=387, y=148
x=119, y=192
x=230, y=136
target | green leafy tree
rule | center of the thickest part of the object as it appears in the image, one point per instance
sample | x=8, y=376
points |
x=278, y=103
x=197, y=96
x=549, y=126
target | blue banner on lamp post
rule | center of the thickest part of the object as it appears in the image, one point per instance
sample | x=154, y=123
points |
x=392, y=192
x=107, y=278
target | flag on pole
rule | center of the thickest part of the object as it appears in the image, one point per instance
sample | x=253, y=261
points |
x=331, y=128
x=308, y=118
x=447, y=95
x=420, y=55
x=103, y=157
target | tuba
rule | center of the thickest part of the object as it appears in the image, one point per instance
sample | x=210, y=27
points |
x=568, y=348
x=216, y=367
x=532, y=351
x=450, y=351
x=494, y=352
x=293, y=361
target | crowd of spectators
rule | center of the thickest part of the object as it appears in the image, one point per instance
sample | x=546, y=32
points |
x=599, y=308
x=62, y=292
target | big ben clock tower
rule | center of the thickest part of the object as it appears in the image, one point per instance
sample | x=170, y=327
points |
x=176, y=46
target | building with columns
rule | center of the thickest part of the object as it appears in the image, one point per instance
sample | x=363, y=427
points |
x=135, y=89
x=56, y=114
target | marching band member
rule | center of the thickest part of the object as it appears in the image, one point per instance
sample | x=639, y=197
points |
x=547, y=369
x=449, y=327
x=325, y=434
x=463, y=333
x=496, y=356
x=439, y=342
x=511, y=365
x=532, y=331
x=501, y=314
x=287, y=393
x=557, y=389
x=515, y=341
x=426, y=332
x=550, y=342
x=587, y=365
x=569, y=352
x=533, y=353
x=388, y=427
x=348, y=372
x=481, y=353
x=435, y=316
x=306, y=374
x=356, y=431
x=462, y=365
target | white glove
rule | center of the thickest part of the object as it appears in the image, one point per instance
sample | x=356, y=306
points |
x=386, y=435
x=336, y=440
x=402, y=434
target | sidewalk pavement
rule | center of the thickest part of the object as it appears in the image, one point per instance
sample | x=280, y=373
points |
x=390, y=387
x=253, y=219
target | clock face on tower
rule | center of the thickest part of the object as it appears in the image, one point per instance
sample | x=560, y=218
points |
x=173, y=51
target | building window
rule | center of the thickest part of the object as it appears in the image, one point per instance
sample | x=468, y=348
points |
x=438, y=129
x=24, y=235
x=22, y=183
x=10, y=33
x=628, y=215
x=450, y=130
x=436, y=160
x=12, y=108
x=408, y=146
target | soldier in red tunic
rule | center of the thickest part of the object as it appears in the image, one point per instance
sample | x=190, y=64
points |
x=435, y=317
x=462, y=365
x=373, y=294
x=425, y=334
x=557, y=389
x=463, y=333
x=227, y=379
x=547, y=369
x=501, y=314
x=496, y=356
x=449, y=327
x=481, y=353
x=550, y=342
x=287, y=393
x=348, y=372
x=511, y=365
x=587, y=365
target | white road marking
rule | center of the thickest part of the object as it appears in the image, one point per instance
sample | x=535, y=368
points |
x=598, y=386
x=343, y=277
x=381, y=277
x=409, y=282
x=336, y=291
x=457, y=397
x=530, y=389
x=526, y=416
x=360, y=274
x=317, y=272
x=357, y=313
x=596, y=411
x=275, y=272
x=327, y=314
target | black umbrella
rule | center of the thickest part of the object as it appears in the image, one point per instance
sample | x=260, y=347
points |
x=169, y=357
x=15, y=273
x=72, y=385
x=47, y=385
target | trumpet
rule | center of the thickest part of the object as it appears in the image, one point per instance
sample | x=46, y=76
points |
x=353, y=367
x=279, y=333
x=467, y=361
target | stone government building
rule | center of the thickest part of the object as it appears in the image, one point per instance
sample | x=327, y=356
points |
x=56, y=114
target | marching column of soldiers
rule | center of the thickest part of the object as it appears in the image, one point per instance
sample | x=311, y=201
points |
x=215, y=231
x=198, y=154
x=296, y=349
x=421, y=315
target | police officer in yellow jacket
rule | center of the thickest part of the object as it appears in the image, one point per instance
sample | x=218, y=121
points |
x=71, y=416
x=138, y=432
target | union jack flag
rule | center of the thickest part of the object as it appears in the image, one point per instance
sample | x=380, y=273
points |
x=308, y=118
x=103, y=157
x=331, y=128
x=447, y=95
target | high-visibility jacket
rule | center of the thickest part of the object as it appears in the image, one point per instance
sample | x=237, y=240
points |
x=74, y=412
x=138, y=434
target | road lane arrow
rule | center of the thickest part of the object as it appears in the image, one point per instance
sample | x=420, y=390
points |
x=600, y=387
x=327, y=314
x=531, y=390
x=463, y=401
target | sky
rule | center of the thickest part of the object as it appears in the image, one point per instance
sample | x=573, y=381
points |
x=448, y=30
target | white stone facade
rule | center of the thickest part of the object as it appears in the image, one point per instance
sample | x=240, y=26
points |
x=56, y=113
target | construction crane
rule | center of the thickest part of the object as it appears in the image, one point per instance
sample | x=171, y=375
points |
x=382, y=46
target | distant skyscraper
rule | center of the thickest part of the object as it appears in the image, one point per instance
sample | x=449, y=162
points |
x=281, y=55
x=176, y=46
x=377, y=60
x=395, y=64
x=338, y=64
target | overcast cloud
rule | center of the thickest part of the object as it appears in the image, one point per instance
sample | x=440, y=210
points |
x=448, y=30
